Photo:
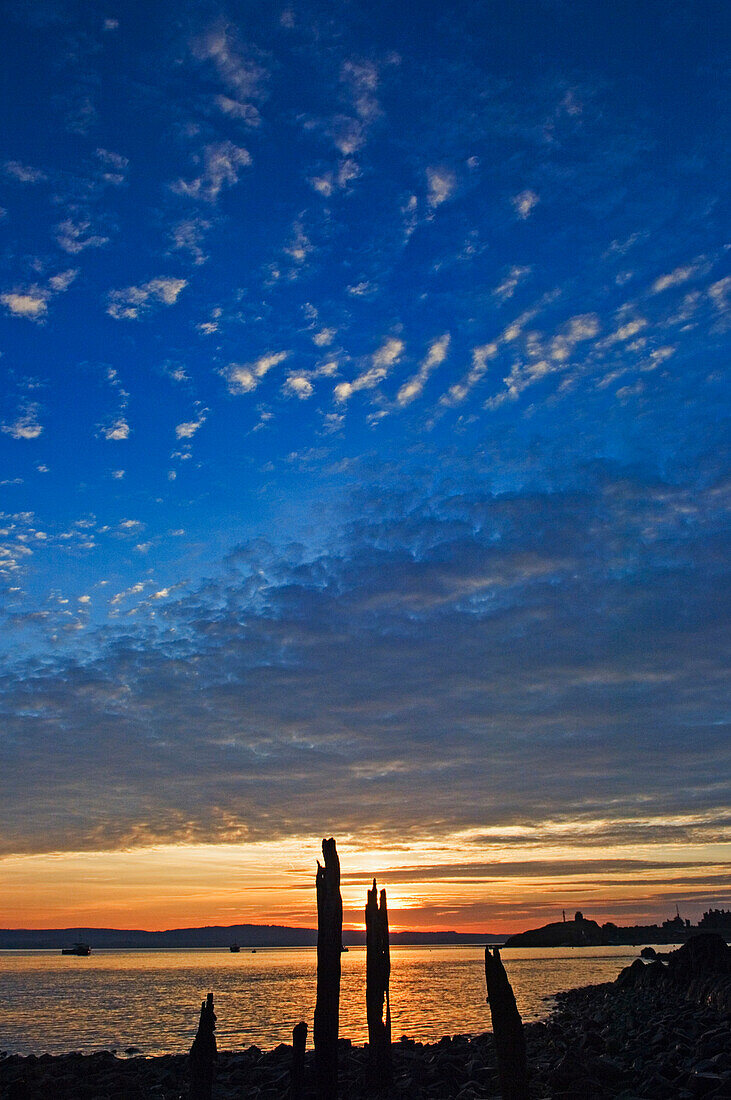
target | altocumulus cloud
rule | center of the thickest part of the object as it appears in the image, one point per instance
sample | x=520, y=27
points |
x=245, y=377
x=458, y=660
x=222, y=163
x=26, y=424
x=133, y=301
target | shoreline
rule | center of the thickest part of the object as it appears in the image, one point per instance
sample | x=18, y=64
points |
x=599, y=1042
x=660, y=1031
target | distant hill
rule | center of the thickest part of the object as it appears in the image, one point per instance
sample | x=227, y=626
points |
x=246, y=935
x=581, y=932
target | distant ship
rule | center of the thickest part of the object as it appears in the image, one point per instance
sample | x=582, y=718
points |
x=77, y=949
x=234, y=947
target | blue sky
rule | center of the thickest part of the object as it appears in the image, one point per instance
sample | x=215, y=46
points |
x=363, y=454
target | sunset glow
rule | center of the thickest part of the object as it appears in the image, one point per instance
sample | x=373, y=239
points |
x=454, y=886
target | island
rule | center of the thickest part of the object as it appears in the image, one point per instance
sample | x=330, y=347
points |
x=584, y=932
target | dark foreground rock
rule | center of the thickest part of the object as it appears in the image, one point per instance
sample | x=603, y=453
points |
x=662, y=1031
x=456, y=1066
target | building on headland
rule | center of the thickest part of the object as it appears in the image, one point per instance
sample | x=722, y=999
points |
x=584, y=932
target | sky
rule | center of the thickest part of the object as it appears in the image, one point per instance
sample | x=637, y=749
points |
x=363, y=460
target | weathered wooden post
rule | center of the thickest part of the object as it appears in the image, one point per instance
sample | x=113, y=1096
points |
x=297, y=1079
x=203, y=1053
x=329, y=948
x=507, y=1027
x=378, y=971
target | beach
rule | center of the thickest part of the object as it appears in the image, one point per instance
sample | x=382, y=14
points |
x=661, y=1031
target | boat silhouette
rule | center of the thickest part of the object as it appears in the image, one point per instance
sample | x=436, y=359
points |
x=77, y=949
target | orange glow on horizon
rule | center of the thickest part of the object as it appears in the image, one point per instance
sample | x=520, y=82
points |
x=459, y=885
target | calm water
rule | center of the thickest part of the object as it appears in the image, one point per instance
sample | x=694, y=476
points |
x=151, y=999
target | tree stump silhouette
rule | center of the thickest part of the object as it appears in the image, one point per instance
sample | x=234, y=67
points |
x=507, y=1028
x=329, y=948
x=297, y=1078
x=203, y=1053
x=378, y=971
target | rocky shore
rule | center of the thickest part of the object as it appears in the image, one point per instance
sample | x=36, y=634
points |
x=661, y=1031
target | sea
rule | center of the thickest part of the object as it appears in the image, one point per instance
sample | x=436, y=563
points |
x=148, y=1001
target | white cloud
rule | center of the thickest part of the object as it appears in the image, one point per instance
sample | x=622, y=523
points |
x=133, y=590
x=210, y=326
x=324, y=337
x=675, y=278
x=246, y=112
x=388, y=354
x=362, y=78
x=114, y=166
x=323, y=184
x=187, y=236
x=62, y=281
x=117, y=474
x=381, y=363
x=719, y=293
x=410, y=215
x=414, y=386
x=524, y=203
x=298, y=385
x=510, y=283
x=363, y=289
x=31, y=303
x=74, y=236
x=299, y=247
x=222, y=163
x=23, y=173
x=349, y=135
x=543, y=357
x=188, y=428
x=584, y=326
x=348, y=170
x=626, y=331
x=128, y=303
x=622, y=247
x=441, y=183
x=480, y=357
x=239, y=73
x=328, y=182
x=118, y=429
x=26, y=424
x=658, y=356
x=245, y=377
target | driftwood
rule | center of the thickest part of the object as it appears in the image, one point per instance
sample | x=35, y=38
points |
x=203, y=1053
x=297, y=1079
x=378, y=970
x=329, y=948
x=507, y=1028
